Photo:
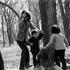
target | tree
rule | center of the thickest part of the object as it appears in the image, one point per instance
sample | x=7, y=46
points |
x=4, y=4
x=3, y=31
x=48, y=17
x=8, y=18
x=67, y=16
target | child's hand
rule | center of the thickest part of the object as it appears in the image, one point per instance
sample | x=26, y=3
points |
x=42, y=32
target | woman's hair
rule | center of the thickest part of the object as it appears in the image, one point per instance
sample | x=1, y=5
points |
x=23, y=12
x=55, y=30
x=27, y=15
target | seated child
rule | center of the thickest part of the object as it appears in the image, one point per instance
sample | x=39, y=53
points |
x=34, y=43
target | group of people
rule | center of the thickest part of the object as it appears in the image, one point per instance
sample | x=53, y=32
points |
x=23, y=41
x=58, y=43
x=49, y=56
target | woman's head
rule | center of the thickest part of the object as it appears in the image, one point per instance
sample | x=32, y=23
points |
x=25, y=15
x=55, y=29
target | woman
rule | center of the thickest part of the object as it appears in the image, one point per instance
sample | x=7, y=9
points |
x=60, y=44
x=23, y=26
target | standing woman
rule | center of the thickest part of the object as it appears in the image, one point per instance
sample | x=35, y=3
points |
x=23, y=26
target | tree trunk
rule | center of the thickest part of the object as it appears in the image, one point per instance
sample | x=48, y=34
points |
x=3, y=32
x=65, y=19
x=9, y=26
x=9, y=31
x=67, y=13
x=48, y=17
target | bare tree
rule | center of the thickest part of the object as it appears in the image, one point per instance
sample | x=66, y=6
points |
x=3, y=31
x=7, y=14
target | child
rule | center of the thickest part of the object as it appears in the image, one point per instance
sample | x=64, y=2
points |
x=34, y=43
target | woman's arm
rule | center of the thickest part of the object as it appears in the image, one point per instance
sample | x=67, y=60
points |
x=52, y=39
x=32, y=26
x=66, y=42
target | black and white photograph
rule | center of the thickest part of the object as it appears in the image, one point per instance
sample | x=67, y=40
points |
x=34, y=34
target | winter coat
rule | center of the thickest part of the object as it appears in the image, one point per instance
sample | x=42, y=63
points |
x=35, y=41
x=23, y=29
x=59, y=41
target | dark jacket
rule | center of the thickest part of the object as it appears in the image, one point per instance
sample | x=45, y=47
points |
x=35, y=42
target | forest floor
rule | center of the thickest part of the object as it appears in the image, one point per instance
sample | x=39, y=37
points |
x=11, y=56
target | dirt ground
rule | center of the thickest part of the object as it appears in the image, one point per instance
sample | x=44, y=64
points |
x=11, y=56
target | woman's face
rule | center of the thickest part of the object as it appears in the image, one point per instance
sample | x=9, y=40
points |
x=24, y=15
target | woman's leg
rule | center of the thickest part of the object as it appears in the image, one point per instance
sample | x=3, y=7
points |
x=21, y=45
x=62, y=58
x=56, y=58
x=22, y=61
x=27, y=57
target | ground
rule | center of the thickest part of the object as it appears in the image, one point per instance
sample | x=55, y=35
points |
x=11, y=57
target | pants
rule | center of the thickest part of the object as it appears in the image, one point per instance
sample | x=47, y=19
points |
x=24, y=55
x=60, y=56
x=35, y=60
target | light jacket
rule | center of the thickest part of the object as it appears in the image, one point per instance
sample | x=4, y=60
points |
x=58, y=40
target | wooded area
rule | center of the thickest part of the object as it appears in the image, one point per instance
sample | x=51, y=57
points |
x=44, y=13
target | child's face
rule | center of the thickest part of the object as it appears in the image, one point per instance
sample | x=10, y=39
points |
x=35, y=35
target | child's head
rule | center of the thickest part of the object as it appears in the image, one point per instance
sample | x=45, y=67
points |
x=34, y=33
x=55, y=29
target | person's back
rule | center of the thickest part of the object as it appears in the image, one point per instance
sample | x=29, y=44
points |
x=59, y=43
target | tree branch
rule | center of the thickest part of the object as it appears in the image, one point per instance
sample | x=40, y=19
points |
x=11, y=9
